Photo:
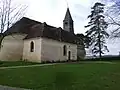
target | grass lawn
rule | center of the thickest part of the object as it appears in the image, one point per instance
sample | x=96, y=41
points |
x=15, y=63
x=83, y=76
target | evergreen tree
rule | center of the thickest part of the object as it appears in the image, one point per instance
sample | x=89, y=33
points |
x=97, y=26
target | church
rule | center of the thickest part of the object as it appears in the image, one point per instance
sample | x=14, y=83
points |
x=34, y=41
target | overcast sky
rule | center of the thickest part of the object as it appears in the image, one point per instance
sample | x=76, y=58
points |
x=53, y=12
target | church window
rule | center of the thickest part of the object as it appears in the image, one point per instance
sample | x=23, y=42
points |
x=64, y=50
x=66, y=23
x=32, y=46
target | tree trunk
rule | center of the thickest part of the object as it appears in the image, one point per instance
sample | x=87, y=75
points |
x=100, y=55
x=99, y=41
x=1, y=38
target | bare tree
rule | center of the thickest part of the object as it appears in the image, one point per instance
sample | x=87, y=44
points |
x=9, y=14
x=113, y=17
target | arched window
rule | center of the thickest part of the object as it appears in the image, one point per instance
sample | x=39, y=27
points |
x=66, y=23
x=64, y=50
x=32, y=46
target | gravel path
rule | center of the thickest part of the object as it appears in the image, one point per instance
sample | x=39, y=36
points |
x=12, y=67
x=11, y=88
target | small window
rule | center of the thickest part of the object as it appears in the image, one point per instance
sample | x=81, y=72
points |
x=64, y=50
x=66, y=23
x=32, y=46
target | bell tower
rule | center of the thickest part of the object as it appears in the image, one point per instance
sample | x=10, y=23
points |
x=68, y=22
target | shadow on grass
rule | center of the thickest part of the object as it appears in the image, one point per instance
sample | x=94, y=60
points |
x=63, y=81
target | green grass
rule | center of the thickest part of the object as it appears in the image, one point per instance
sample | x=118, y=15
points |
x=15, y=63
x=84, y=76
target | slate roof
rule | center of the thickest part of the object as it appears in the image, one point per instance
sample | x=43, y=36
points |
x=22, y=26
x=35, y=29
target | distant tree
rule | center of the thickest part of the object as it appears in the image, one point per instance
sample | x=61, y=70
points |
x=9, y=14
x=80, y=39
x=86, y=41
x=83, y=40
x=97, y=26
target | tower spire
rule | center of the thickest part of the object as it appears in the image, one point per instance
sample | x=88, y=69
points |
x=68, y=15
x=68, y=22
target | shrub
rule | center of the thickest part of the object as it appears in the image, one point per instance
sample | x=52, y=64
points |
x=58, y=61
x=1, y=62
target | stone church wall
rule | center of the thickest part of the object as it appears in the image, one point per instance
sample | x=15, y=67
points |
x=34, y=56
x=47, y=50
x=52, y=50
x=12, y=47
